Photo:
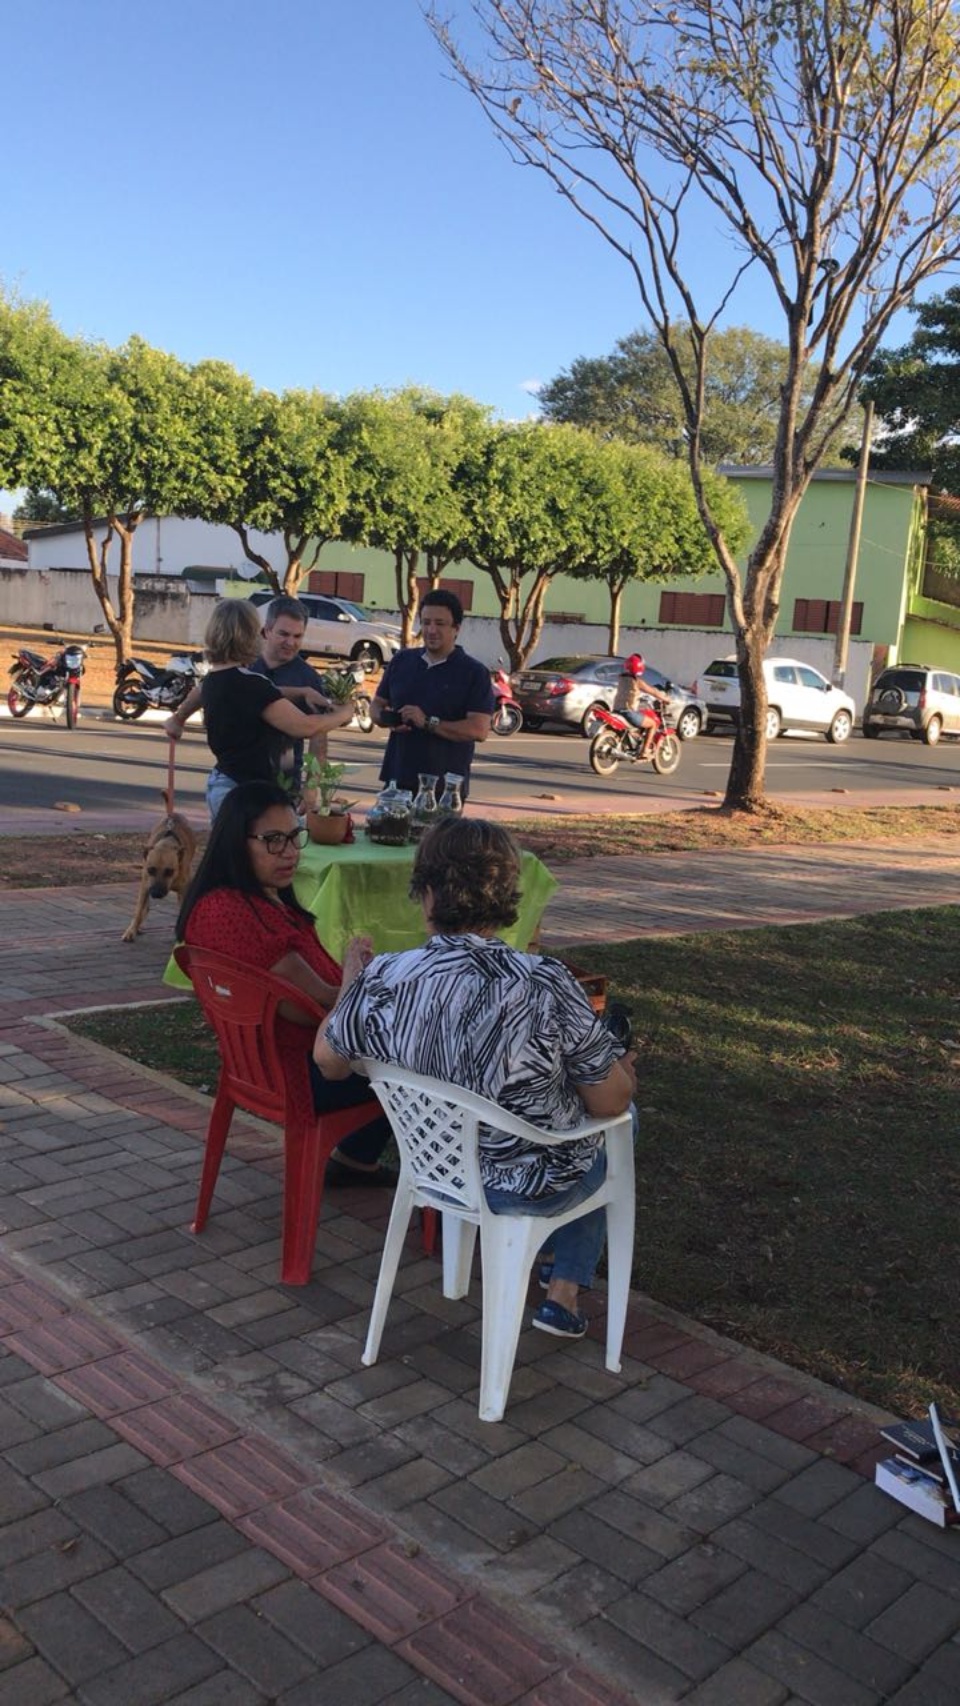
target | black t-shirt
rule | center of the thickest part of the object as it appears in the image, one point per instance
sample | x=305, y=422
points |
x=245, y=747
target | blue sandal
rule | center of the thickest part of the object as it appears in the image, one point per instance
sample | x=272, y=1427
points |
x=553, y=1318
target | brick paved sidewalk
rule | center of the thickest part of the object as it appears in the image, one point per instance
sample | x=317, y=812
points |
x=206, y=1498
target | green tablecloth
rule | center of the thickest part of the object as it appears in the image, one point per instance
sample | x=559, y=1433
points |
x=361, y=889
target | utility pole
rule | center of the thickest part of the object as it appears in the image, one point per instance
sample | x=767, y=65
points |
x=853, y=552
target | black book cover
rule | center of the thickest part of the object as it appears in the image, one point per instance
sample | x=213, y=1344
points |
x=914, y=1441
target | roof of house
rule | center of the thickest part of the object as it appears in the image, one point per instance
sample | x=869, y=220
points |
x=11, y=547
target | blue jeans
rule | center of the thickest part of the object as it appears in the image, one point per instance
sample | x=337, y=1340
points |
x=218, y=787
x=576, y=1247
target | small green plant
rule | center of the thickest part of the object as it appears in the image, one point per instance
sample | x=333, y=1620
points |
x=320, y=783
x=340, y=686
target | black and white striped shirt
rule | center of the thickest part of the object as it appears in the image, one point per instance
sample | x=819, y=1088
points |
x=510, y=1026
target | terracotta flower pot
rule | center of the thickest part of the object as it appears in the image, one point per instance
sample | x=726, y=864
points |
x=329, y=830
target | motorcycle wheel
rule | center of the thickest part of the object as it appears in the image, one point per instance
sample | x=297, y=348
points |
x=507, y=719
x=129, y=702
x=17, y=702
x=666, y=755
x=364, y=717
x=73, y=704
x=605, y=752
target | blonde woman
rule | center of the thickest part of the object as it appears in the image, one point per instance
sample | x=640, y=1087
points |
x=247, y=718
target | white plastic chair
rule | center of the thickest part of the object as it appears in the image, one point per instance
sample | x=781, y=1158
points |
x=436, y=1128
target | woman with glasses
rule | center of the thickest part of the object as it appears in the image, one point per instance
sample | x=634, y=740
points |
x=241, y=903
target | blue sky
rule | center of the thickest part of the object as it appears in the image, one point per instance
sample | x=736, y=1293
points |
x=297, y=188
x=300, y=189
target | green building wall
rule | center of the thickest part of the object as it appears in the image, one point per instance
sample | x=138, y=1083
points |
x=888, y=571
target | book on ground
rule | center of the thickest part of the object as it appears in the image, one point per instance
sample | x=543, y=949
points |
x=916, y=1441
x=919, y=1492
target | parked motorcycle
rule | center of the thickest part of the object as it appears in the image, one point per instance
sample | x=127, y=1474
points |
x=143, y=686
x=36, y=680
x=618, y=742
x=507, y=717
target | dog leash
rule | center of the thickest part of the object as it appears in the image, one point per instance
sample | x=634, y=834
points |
x=171, y=766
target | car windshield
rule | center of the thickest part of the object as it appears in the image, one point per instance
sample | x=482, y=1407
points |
x=726, y=668
x=355, y=610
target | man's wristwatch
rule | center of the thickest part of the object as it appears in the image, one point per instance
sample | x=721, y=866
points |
x=433, y=723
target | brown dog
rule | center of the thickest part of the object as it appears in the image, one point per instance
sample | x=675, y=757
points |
x=167, y=859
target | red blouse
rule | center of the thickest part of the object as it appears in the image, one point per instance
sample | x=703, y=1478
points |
x=256, y=932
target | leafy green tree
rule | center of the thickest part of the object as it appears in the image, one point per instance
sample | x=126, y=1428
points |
x=269, y=463
x=645, y=525
x=817, y=144
x=632, y=395
x=528, y=510
x=405, y=448
x=41, y=508
x=101, y=431
x=916, y=393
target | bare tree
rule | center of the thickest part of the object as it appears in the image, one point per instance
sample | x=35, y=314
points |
x=812, y=142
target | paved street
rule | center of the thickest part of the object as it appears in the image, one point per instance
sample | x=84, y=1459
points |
x=110, y=769
x=206, y=1499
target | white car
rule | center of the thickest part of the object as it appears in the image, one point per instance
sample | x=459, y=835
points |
x=339, y=628
x=798, y=697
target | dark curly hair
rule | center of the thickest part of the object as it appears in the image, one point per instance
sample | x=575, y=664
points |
x=472, y=869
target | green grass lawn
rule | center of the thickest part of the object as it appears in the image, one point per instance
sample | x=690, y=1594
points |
x=798, y=1176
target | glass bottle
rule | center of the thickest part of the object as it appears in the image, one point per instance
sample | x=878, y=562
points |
x=426, y=811
x=380, y=809
x=451, y=801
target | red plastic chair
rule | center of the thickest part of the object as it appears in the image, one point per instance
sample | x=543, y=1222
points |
x=256, y=1074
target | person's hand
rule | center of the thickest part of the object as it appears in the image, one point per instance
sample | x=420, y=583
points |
x=315, y=701
x=359, y=953
x=342, y=715
x=413, y=716
x=173, y=728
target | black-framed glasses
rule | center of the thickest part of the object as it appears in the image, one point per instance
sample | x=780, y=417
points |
x=276, y=841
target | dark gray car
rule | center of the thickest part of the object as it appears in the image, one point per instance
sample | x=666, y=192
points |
x=570, y=689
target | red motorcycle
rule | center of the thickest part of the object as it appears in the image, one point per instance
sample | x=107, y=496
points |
x=36, y=680
x=618, y=742
x=508, y=717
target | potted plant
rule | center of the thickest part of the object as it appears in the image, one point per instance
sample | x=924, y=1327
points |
x=327, y=817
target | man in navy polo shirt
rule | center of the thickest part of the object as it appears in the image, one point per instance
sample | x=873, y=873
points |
x=436, y=700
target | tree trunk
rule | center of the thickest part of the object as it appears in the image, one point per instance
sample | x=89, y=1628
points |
x=757, y=611
x=253, y=556
x=613, y=629
x=521, y=625
x=119, y=621
x=405, y=564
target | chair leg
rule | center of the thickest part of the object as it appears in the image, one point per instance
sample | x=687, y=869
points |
x=459, y=1241
x=303, y=1165
x=389, y=1263
x=306, y=1151
x=621, y=1213
x=216, y=1143
x=507, y=1248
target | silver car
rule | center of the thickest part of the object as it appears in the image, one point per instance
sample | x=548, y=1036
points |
x=914, y=700
x=570, y=690
x=338, y=628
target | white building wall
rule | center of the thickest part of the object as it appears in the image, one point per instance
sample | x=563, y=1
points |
x=163, y=545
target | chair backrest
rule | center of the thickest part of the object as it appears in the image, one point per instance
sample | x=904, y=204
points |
x=241, y=1004
x=437, y=1126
